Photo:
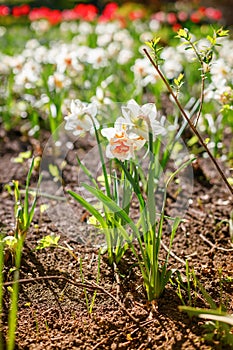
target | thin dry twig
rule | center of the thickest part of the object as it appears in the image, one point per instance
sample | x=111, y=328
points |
x=192, y=126
x=117, y=301
x=172, y=254
x=118, y=282
x=102, y=342
x=214, y=246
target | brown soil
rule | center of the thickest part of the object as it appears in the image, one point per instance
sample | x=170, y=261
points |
x=52, y=310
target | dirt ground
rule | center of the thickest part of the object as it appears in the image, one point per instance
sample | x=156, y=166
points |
x=52, y=309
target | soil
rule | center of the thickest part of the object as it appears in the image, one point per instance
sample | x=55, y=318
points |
x=53, y=312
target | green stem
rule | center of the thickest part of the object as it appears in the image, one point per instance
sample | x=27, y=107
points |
x=102, y=162
x=1, y=288
x=12, y=317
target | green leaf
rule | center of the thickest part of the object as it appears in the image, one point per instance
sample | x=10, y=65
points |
x=87, y=172
x=26, y=199
x=183, y=33
x=209, y=314
x=54, y=171
x=206, y=295
x=134, y=184
x=111, y=205
x=89, y=207
x=48, y=241
x=22, y=156
x=220, y=32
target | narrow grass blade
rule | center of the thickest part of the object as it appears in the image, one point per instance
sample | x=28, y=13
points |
x=133, y=183
x=208, y=314
x=89, y=207
x=26, y=198
x=87, y=172
x=12, y=317
x=1, y=288
x=111, y=205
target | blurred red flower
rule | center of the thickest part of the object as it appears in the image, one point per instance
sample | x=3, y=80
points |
x=196, y=17
x=213, y=13
x=4, y=10
x=22, y=10
x=109, y=12
x=53, y=16
x=86, y=12
x=137, y=14
x=171, y=18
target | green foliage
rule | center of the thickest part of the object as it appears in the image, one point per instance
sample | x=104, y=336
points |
x=48, y=241
x=219, y=327
x=23, y=212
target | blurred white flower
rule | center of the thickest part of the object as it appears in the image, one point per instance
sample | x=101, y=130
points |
x=100, y=97
x=220, y=71
x=154, y=25
x=97, y=58
x=124, y=56
x=82, y=117
x=172, y=62
x=85, y=28
x=144, y=72
x=109, y=27
x=28, y=76
x=104, y=39
x=41, y=26
x=58, y=81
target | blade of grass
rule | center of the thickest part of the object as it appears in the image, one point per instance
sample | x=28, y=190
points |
x=12, y=317
x=1, y=288
x=89, y=207
x=87, y=172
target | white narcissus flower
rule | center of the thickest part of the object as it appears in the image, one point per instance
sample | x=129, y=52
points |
x=82, y=117
x=58, y=81
x=121, y=144
x=141, y=119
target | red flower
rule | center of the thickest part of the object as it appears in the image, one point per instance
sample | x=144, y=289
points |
x=182, y=15
x=54, y=16
x=171, y=18
x=202, y=10
x=86, y=12
x=176, y=27
x=22, y=10
x=4, y=10
x=109, y=12
x=38, y=13
x=196, y=17
x=136, y=14
x=213, y=13
x=69, y=15
x=159, y=16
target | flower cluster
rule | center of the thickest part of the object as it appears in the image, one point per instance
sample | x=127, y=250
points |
x=90, y=12
x=130, y=132
x=177, y=18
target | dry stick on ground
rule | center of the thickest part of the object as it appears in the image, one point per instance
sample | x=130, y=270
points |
x=193, y=128
x=214, y=246
x=90, y=286
x=118, y=282
x=172, y=254
x=117, y=301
